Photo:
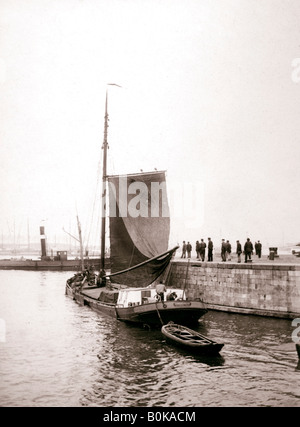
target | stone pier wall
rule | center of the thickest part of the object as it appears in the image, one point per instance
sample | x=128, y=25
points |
x=261, y=289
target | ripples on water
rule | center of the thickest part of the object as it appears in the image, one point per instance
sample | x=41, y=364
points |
x=58, y=353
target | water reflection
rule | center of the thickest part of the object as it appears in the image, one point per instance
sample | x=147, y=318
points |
x=58, y=353
x=142, y=367
x=212, y=361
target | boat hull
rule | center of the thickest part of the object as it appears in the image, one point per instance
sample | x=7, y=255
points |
x=152, y=315
x=157, y=314
x=197, y=343
x=100, y=307
x=83, y=298
x=210, y=350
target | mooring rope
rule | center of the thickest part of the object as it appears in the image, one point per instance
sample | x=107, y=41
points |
x=162, y=323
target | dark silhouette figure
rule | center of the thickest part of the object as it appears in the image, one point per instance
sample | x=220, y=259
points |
x=238, y=250
x=248, y=250
x=259, y=248
x=228, y=250
x=202, y=249
x=210, y=247
x=183, y=255
x=223, y=250
x=198, y=249
x=189, y=249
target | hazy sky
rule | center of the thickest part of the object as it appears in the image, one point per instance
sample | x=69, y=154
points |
x=210, y=92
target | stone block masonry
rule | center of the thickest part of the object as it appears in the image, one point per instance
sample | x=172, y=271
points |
x=261, y=289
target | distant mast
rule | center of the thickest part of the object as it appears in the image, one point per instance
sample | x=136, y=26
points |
x=104, y=177
x=81, y=246
x=28, y=235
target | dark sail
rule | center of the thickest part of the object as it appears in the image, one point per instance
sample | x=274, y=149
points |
x=145, y=273
x=139, y=226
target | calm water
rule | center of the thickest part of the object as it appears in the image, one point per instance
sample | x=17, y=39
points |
x=57, y=353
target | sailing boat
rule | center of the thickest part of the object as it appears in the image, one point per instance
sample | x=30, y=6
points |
x=139, y=256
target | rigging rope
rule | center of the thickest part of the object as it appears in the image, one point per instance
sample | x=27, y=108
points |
x=87, y=239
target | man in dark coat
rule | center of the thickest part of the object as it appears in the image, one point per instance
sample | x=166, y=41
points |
x=228, y=250
x=238, y=250
x=259, y=247
x=210, y=247
x=223, y=250
x=189, y=249
x=248, y=249
x=198, y=249
x=183, y=255
x=202, y=250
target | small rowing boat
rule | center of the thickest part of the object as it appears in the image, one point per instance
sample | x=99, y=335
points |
x=189, y=339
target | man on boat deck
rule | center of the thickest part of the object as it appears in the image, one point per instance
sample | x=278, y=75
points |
x=160, y=289
x=101, y=279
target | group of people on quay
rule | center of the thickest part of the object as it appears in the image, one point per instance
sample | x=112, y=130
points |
x=226, y=250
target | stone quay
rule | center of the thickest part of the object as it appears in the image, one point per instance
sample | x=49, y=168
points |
x=260, y=287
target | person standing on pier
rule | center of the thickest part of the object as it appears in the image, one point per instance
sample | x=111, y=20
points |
x=228, y=251
x=202, y=250
x=238, y=250
x=223, y=250
x=183, y=255
x=189, y=249
x=248, y=249
x=210, y=249
x=259, y=247
x=198, y=249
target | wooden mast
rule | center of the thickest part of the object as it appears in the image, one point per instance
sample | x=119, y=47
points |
x=80, y=242
x=104, y=177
